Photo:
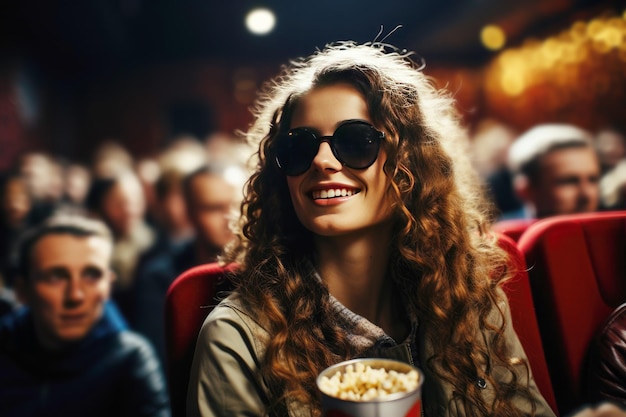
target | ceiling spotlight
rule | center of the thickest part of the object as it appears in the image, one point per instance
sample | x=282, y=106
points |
x=493, y=37
x=260, y=21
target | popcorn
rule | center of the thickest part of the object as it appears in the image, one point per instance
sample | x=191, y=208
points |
x=360, y=382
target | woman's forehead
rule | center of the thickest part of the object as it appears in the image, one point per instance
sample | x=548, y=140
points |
x=327, y=106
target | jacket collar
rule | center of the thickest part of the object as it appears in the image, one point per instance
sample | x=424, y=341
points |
x=19, y=342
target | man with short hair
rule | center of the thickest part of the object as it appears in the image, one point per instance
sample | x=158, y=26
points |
x=555, y=170
x=66, y=354
x=210, y=197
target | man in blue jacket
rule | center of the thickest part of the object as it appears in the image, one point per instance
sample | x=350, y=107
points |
x=67, y=353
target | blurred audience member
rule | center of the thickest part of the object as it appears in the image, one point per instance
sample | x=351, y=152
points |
x=219, y=146
x=44, y=181
x=613, y=187
x=555, y=171
x=77, y=179
x=148, y=172
x=210, y=199
x=184, y=154
x=611, y=147
x=15, y=217
x=211, y=196
x=171, y=218
x=8, y=301
x=119, y=201
x=228, y=149
x=605, y=409
x=606, y=377
x=110, y=158
x=490, y=142
x=490, y=147
x=66, y=354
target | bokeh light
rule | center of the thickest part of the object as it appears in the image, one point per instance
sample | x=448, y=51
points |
x=260, y=21
x=564, y=76
x=493, y=37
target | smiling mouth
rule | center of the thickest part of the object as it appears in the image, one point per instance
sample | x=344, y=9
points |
x=334, y=193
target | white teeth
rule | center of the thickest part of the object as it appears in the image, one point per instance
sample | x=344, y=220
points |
x=339, y=192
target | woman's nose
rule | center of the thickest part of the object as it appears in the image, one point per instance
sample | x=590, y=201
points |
x=325, y=159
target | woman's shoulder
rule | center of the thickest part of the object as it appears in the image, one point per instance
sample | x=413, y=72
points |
x=231, y=307
x=231, y=329
x=233, y=315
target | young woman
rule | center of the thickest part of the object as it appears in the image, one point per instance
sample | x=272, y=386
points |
x=362, y=235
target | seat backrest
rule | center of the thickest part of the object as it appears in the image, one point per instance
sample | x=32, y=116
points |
x=577, y=270
x=190, y=298
x=513, y=228
x=518, y=292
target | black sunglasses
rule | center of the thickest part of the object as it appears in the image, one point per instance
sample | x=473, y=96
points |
x=355, y=144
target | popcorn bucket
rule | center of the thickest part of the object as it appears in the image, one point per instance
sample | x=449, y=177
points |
x=395, y=396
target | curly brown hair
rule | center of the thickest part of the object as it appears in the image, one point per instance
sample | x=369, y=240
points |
x=442, y=256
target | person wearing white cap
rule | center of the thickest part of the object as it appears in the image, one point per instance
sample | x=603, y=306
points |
x=556, y=170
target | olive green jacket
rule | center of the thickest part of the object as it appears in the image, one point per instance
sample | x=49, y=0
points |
x=225, y=379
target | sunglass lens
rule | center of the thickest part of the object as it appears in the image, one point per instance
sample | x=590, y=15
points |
x=296, y=151
x=357, y=144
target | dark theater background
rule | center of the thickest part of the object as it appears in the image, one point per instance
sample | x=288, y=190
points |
x=76, y=73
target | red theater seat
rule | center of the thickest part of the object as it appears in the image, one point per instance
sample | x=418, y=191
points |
x=190, y=298
x=193, y=294
x=522, y=306
x=577, y=270
x=512, y=228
